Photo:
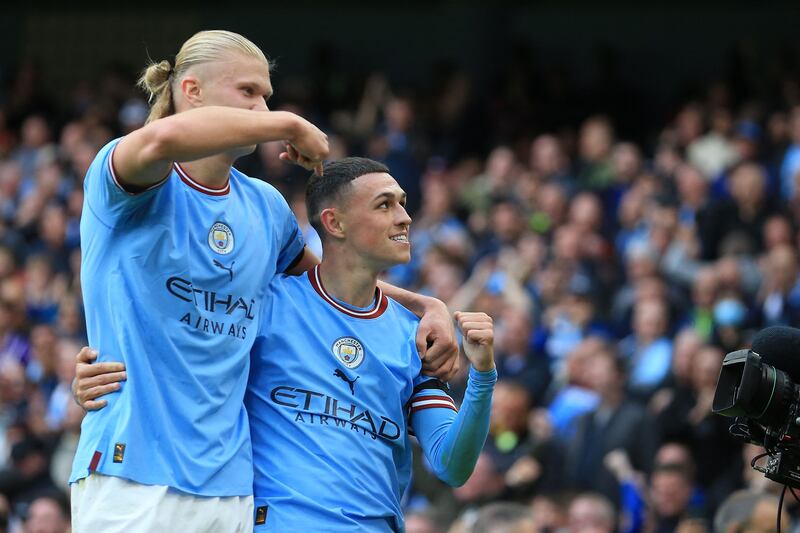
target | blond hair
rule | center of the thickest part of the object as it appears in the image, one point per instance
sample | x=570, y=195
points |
x=158, y=78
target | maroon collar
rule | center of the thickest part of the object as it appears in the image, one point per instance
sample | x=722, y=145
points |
x=188, y=180
x=379, y=305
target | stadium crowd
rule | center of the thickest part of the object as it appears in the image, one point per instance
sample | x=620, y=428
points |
x=622, y=254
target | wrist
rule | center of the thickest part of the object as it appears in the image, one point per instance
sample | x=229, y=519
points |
x=429, y=303
x=484, y=366
x=290, y=124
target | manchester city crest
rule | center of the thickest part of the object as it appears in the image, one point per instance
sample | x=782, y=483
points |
x=220, y=238
x=349, y=352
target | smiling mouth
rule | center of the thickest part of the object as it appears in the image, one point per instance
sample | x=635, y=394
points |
x=400, y=238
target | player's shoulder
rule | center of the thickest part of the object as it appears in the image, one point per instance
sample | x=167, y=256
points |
x=401, y=314
x=283, y=283
x=257, y=185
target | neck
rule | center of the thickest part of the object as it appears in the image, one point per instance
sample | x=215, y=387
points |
x=213, y=172
x=348, y=279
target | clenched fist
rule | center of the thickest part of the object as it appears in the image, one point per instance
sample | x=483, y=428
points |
x=478, y=332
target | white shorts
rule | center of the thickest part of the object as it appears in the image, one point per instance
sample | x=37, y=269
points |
x=107, y=504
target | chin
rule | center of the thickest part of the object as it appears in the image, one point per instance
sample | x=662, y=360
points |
x=389, y=262
x=243, y=151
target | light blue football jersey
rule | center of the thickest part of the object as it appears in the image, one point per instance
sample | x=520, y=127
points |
x=173, y=284
x=330, y=394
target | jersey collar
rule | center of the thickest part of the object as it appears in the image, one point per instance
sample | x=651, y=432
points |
x=188, y=180
x=379, y=305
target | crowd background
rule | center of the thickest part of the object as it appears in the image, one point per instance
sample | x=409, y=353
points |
x=624, y=237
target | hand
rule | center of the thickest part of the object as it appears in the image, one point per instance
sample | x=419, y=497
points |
x=308, y=147
x=93, y=380
x=478, y=331
x=524, y=471
x=436, y=342
x=618, y=463
x=540, y=424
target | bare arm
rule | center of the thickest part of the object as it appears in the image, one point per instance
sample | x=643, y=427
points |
x=306, y=263
x=436, y=336
x=144, y=156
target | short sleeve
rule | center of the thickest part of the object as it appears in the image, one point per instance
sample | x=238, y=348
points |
x=290, y=236
x=104, y=194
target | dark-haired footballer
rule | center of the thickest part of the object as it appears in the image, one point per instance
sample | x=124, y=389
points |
x=335, y=386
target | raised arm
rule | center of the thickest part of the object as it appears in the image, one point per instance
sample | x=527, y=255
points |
x=453, y=441
x=144, y=157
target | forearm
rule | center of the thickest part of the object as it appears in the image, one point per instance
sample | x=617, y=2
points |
x=454, y=449
x=416, y=303
x=211, y=130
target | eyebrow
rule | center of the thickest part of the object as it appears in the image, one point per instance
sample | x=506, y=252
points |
x=391, y=195
x=260, y=86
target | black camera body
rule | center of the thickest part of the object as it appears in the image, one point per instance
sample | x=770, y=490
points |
x=766, y=404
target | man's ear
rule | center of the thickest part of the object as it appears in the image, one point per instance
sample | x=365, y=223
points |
x=332, y=221
x=191, y=91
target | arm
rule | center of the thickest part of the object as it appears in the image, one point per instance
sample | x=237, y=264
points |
x=452, y=442
x=436, y=337
x=305, y=263
x=145, y=156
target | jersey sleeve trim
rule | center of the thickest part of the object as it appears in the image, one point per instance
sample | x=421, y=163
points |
x=420, y=403
x=122, y=186
x=296, y=260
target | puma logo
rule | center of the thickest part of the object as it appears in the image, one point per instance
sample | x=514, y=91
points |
x=339, y=374
x=223, y=267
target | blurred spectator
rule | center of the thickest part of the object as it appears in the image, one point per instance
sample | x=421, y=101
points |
x=648, y=350
x=573, y=394
x=791, y=160
x=484, y=485
x=591, y=513
x=13, y=346
x=514, y=356
x=5, y=511
x=47, y=514
x=670, y=495
x=742, y=216
x=617, y=423
x=779, y=298
x=29, y=476
x=714, y=151
x=749, y=512
x=503, y=518
x=688, y=418
x=549, y=163
x=549, y=514
x=595, y=144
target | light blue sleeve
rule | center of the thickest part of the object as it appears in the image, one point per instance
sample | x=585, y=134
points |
x=450, y=439
x=103, y=194
x=291, y=237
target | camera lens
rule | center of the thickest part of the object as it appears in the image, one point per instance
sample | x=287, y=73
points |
x=748, y=387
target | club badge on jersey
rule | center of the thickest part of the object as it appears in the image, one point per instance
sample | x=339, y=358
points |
x=349, y=352
x=220, y=238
